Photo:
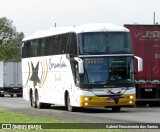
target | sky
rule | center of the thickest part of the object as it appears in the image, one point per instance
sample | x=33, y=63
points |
x=29, y=16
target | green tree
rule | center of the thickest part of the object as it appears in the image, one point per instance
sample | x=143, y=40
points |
x=10, y=40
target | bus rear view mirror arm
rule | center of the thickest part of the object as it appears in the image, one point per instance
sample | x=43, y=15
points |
x=140, y=63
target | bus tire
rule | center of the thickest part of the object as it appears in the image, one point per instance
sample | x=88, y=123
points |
x=39, y=104
x=68, y=104
x=116, y=108
x=33, y=102
x=1, y=95
x=46, y=105
x=19, y=95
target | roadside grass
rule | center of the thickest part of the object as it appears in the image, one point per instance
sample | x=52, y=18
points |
x=7, y=116
x=11, y=117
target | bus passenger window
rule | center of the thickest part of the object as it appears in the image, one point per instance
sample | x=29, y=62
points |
x=73, y=44
x=55, y=45
x=28, y=49
x=34, y=46
x=64, y=43
x=48, y=46
x=40, y=49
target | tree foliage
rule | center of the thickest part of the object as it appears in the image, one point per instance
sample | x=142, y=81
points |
x=10, y=40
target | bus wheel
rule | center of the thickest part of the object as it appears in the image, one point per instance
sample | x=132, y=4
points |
x=1, y=95
x=39, y=104
x=19, y=95
x=33, y=102
x=37, y=101
x=68, y=104
x=116, y=108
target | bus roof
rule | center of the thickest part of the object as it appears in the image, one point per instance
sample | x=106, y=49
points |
x=93, y=27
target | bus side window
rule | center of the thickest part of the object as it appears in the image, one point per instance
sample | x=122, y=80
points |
x=40, y=49
x=48, y=46
x=64, y=43
x=28, y=49
x=73, y=44
x=43, y=48
x=57, y=44
x=34, y=46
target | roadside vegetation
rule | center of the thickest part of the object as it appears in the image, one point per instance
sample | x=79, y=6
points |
x=10, y=41
x=7, y=117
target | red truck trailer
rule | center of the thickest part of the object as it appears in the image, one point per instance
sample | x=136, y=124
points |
x=146, y=44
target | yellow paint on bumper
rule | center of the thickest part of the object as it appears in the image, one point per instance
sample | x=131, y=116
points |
x=89, y=101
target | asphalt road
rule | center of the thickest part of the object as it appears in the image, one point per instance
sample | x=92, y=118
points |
x=87, y=115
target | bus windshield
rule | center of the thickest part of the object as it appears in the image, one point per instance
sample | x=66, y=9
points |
x=104, y=43
x=108, y=70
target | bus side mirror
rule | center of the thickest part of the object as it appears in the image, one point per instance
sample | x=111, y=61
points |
x=80, y=65
x=140, y=63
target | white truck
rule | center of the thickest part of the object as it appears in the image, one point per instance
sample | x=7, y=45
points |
x=10, y=78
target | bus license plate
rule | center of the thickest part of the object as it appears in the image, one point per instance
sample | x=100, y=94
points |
x=109, y=100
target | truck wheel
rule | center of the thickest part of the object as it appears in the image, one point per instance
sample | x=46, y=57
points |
x=68, y=104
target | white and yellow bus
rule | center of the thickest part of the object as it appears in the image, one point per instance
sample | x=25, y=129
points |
x=87, y=66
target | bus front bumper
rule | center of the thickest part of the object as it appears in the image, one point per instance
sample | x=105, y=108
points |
x=95, y=101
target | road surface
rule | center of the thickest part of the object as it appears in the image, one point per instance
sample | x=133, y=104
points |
x=87, y=115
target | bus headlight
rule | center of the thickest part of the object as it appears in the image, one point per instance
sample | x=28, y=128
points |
x=86, y=99
x=131, y=97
